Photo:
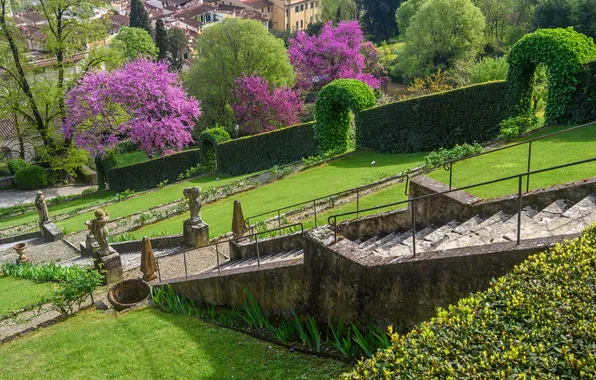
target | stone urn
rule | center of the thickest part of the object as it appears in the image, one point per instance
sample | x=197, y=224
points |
x=129, y=293
x=20, y=249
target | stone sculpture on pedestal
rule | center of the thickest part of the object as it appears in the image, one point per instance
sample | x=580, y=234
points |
x=196, y=232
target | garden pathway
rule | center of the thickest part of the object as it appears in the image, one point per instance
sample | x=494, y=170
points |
x=16, y=197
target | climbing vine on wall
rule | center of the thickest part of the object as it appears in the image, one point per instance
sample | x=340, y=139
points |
x=208, y=139
x=334, y=103
x=562, y=52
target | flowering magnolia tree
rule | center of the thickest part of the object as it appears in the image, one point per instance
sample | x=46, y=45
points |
x=261, y=107
x=336, y=53
x=141, y=101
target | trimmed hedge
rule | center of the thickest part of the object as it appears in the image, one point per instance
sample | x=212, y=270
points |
x=149, y=174
x=583, y=105
x=208, y=140
x=536, y=322
x=466, y=115
x=253, y=153
x=31, y=177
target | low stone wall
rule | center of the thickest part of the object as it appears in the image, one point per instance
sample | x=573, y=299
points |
x=369, y=226
x=7, y=182
x=27, y=236
x=243, y=249
x=157, y=243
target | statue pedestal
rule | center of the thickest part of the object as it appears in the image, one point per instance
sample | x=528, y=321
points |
x=196, y=235
x=50, y=232
x=110, y=266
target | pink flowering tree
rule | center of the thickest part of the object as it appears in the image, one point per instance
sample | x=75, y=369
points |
x=337, y=53
x=261, y=107
x=140, y=101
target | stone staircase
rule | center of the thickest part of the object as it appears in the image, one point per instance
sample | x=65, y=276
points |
x=562, y=217
x=291, y=257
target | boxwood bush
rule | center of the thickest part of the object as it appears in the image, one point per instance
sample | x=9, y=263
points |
x=466, y=115
x=148, y=174
x=539, y=322
x=263, y=151
x=31, y=177
x=15, y=165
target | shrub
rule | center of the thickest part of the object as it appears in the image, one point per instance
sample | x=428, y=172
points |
x=74, y=291
x=149, y=174
x=15, y=165
x=429, y=122
x=515, y=126
x=31, y=177
x=263, y=151
x=42, y=272
x=583, y=104
x=208, y=139
x=333, y=107
x=535, y=322
x=438, y=158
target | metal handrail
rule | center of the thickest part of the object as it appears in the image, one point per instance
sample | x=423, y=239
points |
x=314, y=200
x=217, y=243
x=448, y=165
x=413, y=200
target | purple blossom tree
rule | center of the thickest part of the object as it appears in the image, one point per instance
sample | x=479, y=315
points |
x=141, y=101
x=261, y=107
x=336, y=53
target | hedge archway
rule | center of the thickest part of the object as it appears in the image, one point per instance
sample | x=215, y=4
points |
x=562, y=52
x=332, y=114
x=208, y=140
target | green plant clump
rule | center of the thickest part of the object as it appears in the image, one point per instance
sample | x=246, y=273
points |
x=438, y=157
x=536, y=322
x=265, y=150
x=31, y=177
x=515, y=126
x=468, y=114
x=208, y=140
x=15, y=165
x=334, y=104
x=149, y=174
x=42, y=272
x=563, y=52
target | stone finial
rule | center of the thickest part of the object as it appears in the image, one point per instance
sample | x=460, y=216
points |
x=238, y=225
x=148, y=265
x=195, y=203
x=100, y=232
x=42, y=208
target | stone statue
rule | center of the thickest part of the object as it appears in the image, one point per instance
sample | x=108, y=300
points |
x=195, y=203
x=100, y=232
x=42, y=208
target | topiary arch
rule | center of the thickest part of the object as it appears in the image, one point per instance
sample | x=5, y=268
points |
x=334, y=103
x=562, y=52
x=208, y=139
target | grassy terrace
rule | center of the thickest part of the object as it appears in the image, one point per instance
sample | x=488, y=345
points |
x=150, y=344
x=16, y=294
x=341, y=174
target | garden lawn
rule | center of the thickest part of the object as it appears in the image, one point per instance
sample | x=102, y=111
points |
x=16, y=294
x=551, y=151
x=342, y=174
x=150, y=344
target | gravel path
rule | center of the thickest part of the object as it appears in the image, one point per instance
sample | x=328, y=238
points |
x=40, y=252
x=16, y=197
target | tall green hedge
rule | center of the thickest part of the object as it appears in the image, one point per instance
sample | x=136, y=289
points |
x=583, y=105
x=466, y=115
x=208, y=139
x=149, y=174
x=253, y=153
x=537, y=322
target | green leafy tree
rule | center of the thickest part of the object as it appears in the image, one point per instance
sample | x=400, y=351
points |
x=441, y=32
x=161, y=39
x=227, y=51
x=378, y=20
x=177, y=46
x=139, y=18
x=405, y=12
x=341, y=10
x=584, y=16
x=553, y=14
x=497, y=14
x=134, y=41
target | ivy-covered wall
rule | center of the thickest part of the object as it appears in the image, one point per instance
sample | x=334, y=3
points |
x=583, y=103
x=466, y=115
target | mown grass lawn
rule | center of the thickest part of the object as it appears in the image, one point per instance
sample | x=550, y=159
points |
x=565, y=148
x=347, y=172
x=16, y=294
x=150, y=344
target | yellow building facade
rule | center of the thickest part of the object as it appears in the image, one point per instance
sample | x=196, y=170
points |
x=294, y=15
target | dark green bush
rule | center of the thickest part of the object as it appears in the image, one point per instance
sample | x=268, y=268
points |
x=149, y=174
x=438, y=157
x=31, y=177
x=263, y=151
x=333, y=118
x=583, y=105
x=15, y=165
x=536, y=322
x=208, y=140
x=429, y=122
x=102, y=165
x=515, y=126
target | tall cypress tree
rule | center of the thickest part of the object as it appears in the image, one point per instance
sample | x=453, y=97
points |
x=139, y=18
x=161, y=39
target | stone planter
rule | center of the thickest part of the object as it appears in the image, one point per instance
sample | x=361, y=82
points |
x=20, y=249
x=129, y=293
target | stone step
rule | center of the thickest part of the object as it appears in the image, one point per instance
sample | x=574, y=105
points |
x=267, y=259
x=582, y=208
x=552, y=211
x=368, y=243
x=384, y=249
x=497, y=219
x=420, y=235
x=382, y=241
x=468, y=225
x=442, y=234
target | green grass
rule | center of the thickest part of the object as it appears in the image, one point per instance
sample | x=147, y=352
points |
x=16, y=294
x=131, y=158
x=341, y=174
x=150, y=344
x=565, y=148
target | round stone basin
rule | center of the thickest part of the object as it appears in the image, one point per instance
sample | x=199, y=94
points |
x=128, y=293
